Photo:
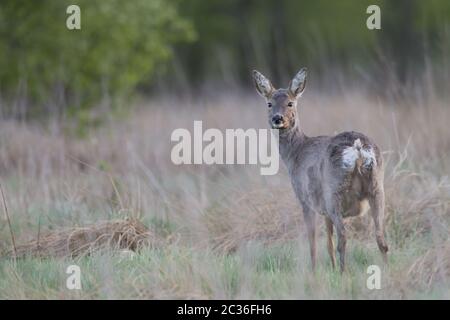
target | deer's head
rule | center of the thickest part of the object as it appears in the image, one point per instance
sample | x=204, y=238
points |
x=281, y=103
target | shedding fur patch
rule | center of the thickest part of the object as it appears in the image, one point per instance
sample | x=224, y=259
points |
x=358, y=155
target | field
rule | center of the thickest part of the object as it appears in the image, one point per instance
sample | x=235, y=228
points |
x=225, y=232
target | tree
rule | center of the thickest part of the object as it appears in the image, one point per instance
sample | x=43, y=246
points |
x=120, y=45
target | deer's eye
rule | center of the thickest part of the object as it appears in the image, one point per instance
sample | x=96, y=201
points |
x=290, y=104
x=269, y=105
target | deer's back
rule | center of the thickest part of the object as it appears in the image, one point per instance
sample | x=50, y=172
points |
x=348, y=164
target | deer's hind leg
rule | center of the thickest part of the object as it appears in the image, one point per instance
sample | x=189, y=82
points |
x=376, y=201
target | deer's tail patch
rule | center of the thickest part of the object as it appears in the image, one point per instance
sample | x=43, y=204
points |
x=359, y=156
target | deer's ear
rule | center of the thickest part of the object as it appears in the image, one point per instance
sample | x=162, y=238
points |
x=298, y=83
x=262, y=84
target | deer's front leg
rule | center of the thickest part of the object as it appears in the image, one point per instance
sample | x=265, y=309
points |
x=334, y=209
x=330, y=243
x=342, y=241
x=310, y=221
x=334, y=213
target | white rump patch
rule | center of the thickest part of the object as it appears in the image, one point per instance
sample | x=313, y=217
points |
x=351, y=155
x=368, y=156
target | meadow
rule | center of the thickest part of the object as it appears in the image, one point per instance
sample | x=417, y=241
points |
x=225, y=231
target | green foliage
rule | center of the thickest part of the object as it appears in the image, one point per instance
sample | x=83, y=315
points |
x=120, y=45
x=123, y=44
x=277, y=259
x=278, y=36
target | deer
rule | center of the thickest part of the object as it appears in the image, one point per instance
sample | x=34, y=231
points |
x=336, y=176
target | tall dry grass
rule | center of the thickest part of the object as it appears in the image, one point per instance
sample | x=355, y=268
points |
x=53, y=180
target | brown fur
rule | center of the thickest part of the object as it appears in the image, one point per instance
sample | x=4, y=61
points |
x=321, y=180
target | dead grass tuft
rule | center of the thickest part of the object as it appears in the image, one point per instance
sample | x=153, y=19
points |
x=259, y=215
x=127, y=234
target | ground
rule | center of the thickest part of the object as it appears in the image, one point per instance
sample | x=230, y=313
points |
x=226, y=231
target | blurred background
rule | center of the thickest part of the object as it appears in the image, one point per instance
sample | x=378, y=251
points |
x=180, y=47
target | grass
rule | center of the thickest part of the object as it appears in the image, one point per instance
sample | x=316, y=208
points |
x=234, y=233
x=179, y=272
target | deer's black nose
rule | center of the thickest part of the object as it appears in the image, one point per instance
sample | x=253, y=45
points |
x=277, y=119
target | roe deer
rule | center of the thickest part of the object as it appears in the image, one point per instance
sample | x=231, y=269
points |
x=335, y=176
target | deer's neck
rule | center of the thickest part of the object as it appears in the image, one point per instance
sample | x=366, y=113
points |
x=291, y=141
